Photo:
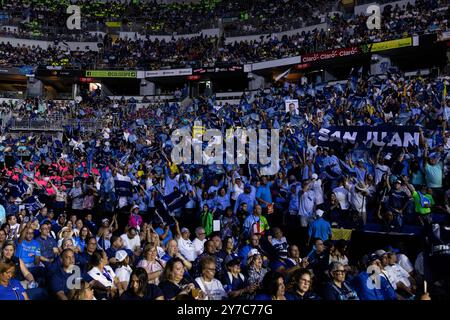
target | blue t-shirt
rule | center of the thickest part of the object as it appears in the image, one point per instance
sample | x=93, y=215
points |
x=14, y=291
x=319, y=228
x=264, y=193
x=27, y=250
x=160, y=231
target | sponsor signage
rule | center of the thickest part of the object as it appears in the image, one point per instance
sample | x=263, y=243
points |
x=86, y=80
x=330, y=54
x=392, y=44
x=58, y=73
x=111, y=74
x=302, y=66
x=218, y=69
x=168, y=73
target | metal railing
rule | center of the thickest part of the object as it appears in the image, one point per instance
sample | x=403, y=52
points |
x=38, y=124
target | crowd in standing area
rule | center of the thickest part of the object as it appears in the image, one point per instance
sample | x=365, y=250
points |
x=424, y=17
x=109, y=206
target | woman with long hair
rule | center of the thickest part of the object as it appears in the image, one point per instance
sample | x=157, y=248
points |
x=173, y=281
x=3, y=235
x=80, y=240
x=140, y=289
x=85, y=292
x=152, y=263
x=338, y=254
x=21, y=271
x=273, y=288
x=300, y=285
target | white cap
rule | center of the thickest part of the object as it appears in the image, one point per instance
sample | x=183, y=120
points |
x=253, y=252
x=315, y=176
x=380, y=252
x=121, y=255
x=319, y=213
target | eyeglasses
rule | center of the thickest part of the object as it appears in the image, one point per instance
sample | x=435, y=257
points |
x=305, y=280
x=340, y=271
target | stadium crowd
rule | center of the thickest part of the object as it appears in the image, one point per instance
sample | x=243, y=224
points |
x=152, y=17
x=421, y=18
x=106, y=214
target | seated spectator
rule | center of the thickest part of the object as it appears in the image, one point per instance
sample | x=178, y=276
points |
x=139, y=287
x=152, y=264
x=300, y=285
x=10, y=288
x=370, y=286
x=59, y=279
x=273, y=288
x=123, y=270
x=84, y=293
x=212, y=288
x=235, y=283
x=337, y=288
x=172, y=281
x=101, y=272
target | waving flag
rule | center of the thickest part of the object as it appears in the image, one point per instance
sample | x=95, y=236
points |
x=283, y=75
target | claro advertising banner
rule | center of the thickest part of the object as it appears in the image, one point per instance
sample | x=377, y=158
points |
x=330, y=54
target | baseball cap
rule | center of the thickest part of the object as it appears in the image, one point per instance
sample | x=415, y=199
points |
x=253, y=252
x=183, y=230
x=372, y=257
x=232, y=261
x=121, y=255
x=315, y=176
x=319, y=212
x=380, y=253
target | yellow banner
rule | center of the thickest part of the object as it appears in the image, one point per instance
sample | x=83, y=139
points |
x=341, y=234
x=113, y=24
x=392, y=44
x=111, y=74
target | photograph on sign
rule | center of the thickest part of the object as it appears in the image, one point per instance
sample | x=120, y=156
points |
x=291, y=106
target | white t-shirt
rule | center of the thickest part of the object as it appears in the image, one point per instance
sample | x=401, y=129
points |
x=404, y=262
x=237, y=191
x=124, y=273
x=381, y=169
x=187, y=249
x=214, y=289
x=306, y=204
x=131, y=244
x=199, y=246
x=318, y=191
x=399, y=274
x=358, y=201
x=342, y=196
x=107, y=281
